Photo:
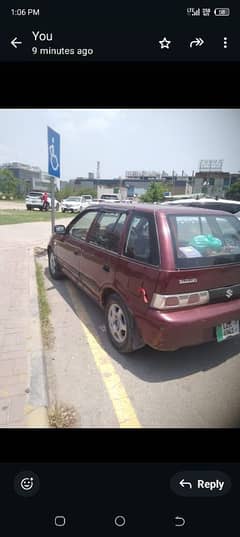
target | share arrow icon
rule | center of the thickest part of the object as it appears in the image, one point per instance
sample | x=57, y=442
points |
x=198, y=42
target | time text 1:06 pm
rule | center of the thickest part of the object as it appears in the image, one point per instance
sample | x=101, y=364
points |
x=23, y=12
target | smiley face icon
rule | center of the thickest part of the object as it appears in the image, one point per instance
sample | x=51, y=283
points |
x=26, y=484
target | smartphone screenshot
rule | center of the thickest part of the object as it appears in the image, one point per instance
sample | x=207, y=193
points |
x=120, y=269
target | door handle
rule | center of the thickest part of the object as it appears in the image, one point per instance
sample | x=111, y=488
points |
x=106, y=268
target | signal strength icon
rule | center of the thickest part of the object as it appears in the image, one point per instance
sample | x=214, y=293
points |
x=225, y=42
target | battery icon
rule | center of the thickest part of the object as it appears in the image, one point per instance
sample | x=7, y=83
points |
x=222, y=11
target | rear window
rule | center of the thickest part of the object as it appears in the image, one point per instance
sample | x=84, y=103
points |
x=205, y=240
x=35, y=194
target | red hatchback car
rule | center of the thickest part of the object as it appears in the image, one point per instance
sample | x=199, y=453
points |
x=168, y=277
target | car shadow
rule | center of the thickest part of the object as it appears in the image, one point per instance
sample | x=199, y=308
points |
x=148, y=364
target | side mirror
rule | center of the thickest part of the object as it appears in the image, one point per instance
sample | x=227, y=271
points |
x=59, y=229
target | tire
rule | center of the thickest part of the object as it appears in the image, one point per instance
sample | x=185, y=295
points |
x=28, y=208
x=54, y=267
x=128, y=339
x=57, y=207
x=63, y=210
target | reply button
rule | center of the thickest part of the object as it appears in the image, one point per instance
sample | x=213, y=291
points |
x=205, y=483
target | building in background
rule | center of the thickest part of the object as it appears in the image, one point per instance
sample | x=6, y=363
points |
x=211, y=180
x=29, y=177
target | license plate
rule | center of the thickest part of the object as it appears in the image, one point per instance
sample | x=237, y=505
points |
x=226, y=330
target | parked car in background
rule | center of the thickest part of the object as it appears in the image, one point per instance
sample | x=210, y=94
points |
x=75, y=203
x=34, y=200
x=166, y=276
x=230, y=206
x=109, y=197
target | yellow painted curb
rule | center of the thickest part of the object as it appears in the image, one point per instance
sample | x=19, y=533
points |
x=36, y=416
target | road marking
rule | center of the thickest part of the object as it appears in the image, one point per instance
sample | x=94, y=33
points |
x=122, y=405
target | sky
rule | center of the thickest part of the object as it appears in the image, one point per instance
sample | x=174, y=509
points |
x=122, y=139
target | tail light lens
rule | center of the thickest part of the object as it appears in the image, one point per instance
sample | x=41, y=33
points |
x=183, y=300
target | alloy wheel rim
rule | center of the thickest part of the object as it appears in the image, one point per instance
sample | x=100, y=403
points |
x=117, y=323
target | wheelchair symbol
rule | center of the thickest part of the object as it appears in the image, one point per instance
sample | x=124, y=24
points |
x=53, y=158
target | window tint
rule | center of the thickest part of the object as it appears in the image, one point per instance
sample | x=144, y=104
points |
x=106, y=231
x=80, y=229
x=141, y=243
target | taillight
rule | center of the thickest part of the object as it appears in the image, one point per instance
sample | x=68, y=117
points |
x=183, y=300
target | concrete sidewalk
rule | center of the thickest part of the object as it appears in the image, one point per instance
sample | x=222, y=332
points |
x=23, y=399
x=23, y=394
x=23, y=391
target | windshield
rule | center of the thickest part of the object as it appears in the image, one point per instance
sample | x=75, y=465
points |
x=205, y=240
x=73, y=198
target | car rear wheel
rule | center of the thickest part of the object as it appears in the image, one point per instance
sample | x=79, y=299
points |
x=28, y=208
x=63, y=210
x=57, y=207
x=121, y=326
x=54, y=267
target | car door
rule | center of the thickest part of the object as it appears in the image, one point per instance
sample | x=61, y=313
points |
x=68, y=247
x=100, y=253
x=138, y=267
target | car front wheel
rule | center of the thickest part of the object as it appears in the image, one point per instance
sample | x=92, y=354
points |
x=121, y=326
x=54, y=267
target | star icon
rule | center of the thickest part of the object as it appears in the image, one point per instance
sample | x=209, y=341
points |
x=164, y=43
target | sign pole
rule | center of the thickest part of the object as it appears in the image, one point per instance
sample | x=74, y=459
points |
x=52, y=204
x=53, y=166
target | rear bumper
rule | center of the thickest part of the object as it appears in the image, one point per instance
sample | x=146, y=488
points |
x=169, y=331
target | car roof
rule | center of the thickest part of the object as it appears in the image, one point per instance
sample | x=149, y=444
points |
x=166, y=209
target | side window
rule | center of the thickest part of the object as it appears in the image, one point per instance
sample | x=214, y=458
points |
x=141, y=243
x=106, y=231
x=80, y=229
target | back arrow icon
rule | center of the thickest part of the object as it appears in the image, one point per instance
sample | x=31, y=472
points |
x=198, y=42
x=15, y=43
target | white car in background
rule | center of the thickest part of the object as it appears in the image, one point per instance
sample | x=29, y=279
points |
x=34, y=200
x=230, y=206
x=75, y=204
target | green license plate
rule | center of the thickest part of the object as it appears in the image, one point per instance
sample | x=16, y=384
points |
x=226, y=330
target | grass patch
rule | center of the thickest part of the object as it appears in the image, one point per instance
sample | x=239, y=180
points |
x=15, y=216
x=62, y=416
x=44, y=308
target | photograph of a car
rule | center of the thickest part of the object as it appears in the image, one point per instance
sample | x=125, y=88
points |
x=192, y=254
x=122, y=308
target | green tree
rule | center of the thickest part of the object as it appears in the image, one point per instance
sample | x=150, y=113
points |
x=154, y=193
x=8, y=183
x=234, y=192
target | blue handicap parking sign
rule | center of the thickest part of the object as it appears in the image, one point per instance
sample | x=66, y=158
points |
x=53, y=153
